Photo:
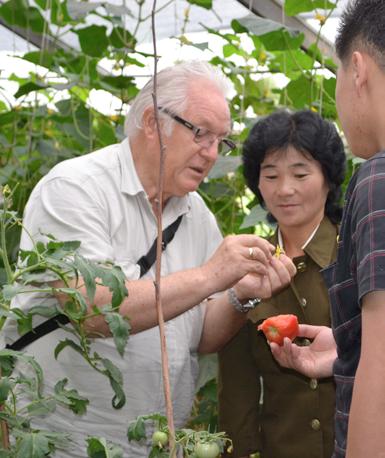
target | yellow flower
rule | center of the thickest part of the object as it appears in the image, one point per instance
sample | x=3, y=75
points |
x=278, y=251
x=6, y=190
x=321, y=18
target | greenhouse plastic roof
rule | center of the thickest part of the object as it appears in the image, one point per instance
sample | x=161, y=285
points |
x=169, y=20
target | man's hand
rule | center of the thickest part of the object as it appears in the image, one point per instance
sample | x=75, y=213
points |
x=279, y=273
x=222, y=321
x=315, y=360
x=237, y=256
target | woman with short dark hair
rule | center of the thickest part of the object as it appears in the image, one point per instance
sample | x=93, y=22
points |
x=295, y=165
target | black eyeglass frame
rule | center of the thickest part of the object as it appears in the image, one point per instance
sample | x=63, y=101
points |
x=227, y=144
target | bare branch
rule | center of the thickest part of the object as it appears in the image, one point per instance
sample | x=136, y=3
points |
x=159, y=208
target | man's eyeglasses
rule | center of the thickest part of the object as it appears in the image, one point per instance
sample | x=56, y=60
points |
x=202, y=136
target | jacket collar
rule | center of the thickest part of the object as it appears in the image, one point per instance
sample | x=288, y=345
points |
x=322, y=247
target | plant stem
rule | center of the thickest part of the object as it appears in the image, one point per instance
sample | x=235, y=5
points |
x=4, y=429
x=3, y=244
x=158, y=299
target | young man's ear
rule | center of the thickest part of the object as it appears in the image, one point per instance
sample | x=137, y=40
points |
x=360, y=71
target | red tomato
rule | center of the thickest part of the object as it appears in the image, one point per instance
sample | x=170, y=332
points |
x=277, y=327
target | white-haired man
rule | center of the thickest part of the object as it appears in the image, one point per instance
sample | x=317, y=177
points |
x=106, y=200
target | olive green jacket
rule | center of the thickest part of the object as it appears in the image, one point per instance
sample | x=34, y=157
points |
x=263, y=406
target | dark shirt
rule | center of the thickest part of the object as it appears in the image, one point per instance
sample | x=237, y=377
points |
x=358, y=270
x=263, y=406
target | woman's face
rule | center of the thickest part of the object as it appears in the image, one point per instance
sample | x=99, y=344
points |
x=294, y=188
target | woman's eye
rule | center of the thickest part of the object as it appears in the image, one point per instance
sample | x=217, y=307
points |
x=270, y=177
x=301, y=175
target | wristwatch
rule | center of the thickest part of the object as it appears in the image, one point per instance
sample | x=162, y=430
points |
x=239, y=307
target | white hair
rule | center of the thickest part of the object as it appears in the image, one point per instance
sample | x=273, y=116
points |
x=172, y=91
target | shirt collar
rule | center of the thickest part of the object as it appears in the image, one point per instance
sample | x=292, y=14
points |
x=131, y=184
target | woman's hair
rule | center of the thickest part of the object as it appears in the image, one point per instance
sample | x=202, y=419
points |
x=308, y=133
x=172, y=92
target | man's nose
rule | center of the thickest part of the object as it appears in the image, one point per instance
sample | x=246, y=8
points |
x=210, y=152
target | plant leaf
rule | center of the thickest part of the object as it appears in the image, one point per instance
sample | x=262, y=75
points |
x=93, y=40
x=28, y=360
x=79, y=10
x=208, y=4
x=98, y=447
x=114, y=278
x=5, y=388
x=67, y=343
x=120, y=329
x=136, y=430
x=225, y=165
x=294, y=7
x=41, y=407
x=33, y=445
x=116, y=380
x=70, y=397
x=88, y=272
x=256, y=215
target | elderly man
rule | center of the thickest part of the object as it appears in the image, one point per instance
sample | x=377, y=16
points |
x=106, y=200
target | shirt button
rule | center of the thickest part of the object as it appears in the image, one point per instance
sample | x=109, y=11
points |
x=303, y=302
x=313, y=383
x=301, y=266
x=316, y=424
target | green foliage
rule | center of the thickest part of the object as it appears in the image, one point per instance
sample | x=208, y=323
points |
x=35, y=272
x=186, y=440
x=293, y=7
x=98, y=447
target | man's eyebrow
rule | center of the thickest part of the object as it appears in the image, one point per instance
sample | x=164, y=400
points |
x=205, y=123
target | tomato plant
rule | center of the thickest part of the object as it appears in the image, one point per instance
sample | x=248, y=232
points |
x=276, y=328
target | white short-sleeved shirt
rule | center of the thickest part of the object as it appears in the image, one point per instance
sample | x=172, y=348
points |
x=99, y=200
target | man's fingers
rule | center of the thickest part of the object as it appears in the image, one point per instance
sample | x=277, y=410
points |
x=283, y=271
x=253, y=241
x=286, y=354
x=256, y=254
x=289, y=264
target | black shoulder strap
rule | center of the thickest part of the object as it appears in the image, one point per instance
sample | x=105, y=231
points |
x=44, y=328
x=145, y=263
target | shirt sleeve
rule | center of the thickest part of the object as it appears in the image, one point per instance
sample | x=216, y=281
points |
x=68, y=211
x=368, y=222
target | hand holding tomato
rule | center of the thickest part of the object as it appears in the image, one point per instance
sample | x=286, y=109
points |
x=315, y=360
x=276, y=328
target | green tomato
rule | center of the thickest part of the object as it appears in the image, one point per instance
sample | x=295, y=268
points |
x=159, y=438
x=207, y=450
